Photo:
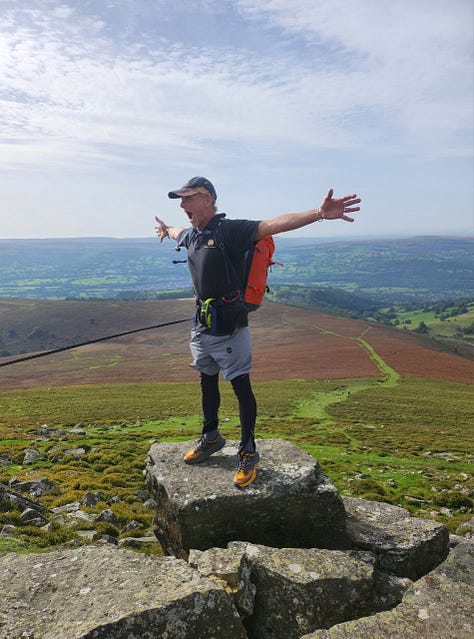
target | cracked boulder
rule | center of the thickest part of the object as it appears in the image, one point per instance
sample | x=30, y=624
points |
x=437, y=606
x=231, y=569
x=292, y=503
x=301, y=589
x=103, y=593
x=405, y=546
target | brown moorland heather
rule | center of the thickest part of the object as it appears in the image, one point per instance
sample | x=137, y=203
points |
x=288, y=342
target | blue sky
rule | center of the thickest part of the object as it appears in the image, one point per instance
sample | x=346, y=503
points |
x=106, y=105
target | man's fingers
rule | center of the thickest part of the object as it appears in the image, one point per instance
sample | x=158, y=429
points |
x=336, y=208
x=159, y=228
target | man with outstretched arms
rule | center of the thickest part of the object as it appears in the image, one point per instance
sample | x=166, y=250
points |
x=220, y=338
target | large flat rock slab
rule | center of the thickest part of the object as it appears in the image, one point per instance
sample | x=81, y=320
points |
x=292, y=503
x=438, y=606
x=102, y=593
x=405, y=546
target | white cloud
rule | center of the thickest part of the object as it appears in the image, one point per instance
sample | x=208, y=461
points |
x=104, y=103
x=69, y=84
x=413, y=59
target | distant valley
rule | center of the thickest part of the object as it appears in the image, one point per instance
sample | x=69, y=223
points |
x=421, y=284
x=385, y=271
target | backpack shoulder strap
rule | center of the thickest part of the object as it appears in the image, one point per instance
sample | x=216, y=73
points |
x=219, y=237
x=231, y=273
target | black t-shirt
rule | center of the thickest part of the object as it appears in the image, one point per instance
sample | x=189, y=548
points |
x=210, y=272
x=207, y=264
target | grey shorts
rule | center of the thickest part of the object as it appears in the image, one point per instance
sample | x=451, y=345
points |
x=232, y=354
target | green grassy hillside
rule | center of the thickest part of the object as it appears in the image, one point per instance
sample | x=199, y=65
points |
x=377, y=432
x=407, y=442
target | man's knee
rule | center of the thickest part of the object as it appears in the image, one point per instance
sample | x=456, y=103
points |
x=241, y=384
x=208, y=381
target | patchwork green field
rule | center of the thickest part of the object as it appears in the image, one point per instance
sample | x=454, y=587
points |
x=405, y=441
x=452, y=321
x=390, y=271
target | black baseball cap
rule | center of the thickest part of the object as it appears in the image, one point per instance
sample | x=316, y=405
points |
x=193, y=186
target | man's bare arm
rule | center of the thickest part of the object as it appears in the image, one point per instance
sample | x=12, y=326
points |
x=163, y=230
x=330, y=209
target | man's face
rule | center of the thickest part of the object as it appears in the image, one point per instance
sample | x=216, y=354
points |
x=198, y=208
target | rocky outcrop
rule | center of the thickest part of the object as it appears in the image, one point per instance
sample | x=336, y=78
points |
x=246, y=591
x=9, y=497
x=404, y=545
x=34, y=487
x=298, y=590
x=292, y=503
x=274, y=561
x=438, y=606
x=301, y=563
x=103, y=593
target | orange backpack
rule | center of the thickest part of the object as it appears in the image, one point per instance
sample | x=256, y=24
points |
x=257, y=262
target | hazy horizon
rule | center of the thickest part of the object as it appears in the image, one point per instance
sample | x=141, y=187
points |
x=284, y=236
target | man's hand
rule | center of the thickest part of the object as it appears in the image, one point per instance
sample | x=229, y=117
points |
x=336, y=208
x=330, y=209
x=161, y=229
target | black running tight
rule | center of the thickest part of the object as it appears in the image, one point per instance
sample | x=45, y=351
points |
x=211, y=399
x=247, y=409
x=210, y=402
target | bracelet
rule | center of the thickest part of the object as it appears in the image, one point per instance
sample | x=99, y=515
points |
x=319, y=215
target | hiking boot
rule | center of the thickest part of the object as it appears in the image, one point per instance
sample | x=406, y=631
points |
x=246, y=469
x=204, y=449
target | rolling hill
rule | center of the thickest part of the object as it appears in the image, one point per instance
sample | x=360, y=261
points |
x=289, y=343
x=387, y=271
